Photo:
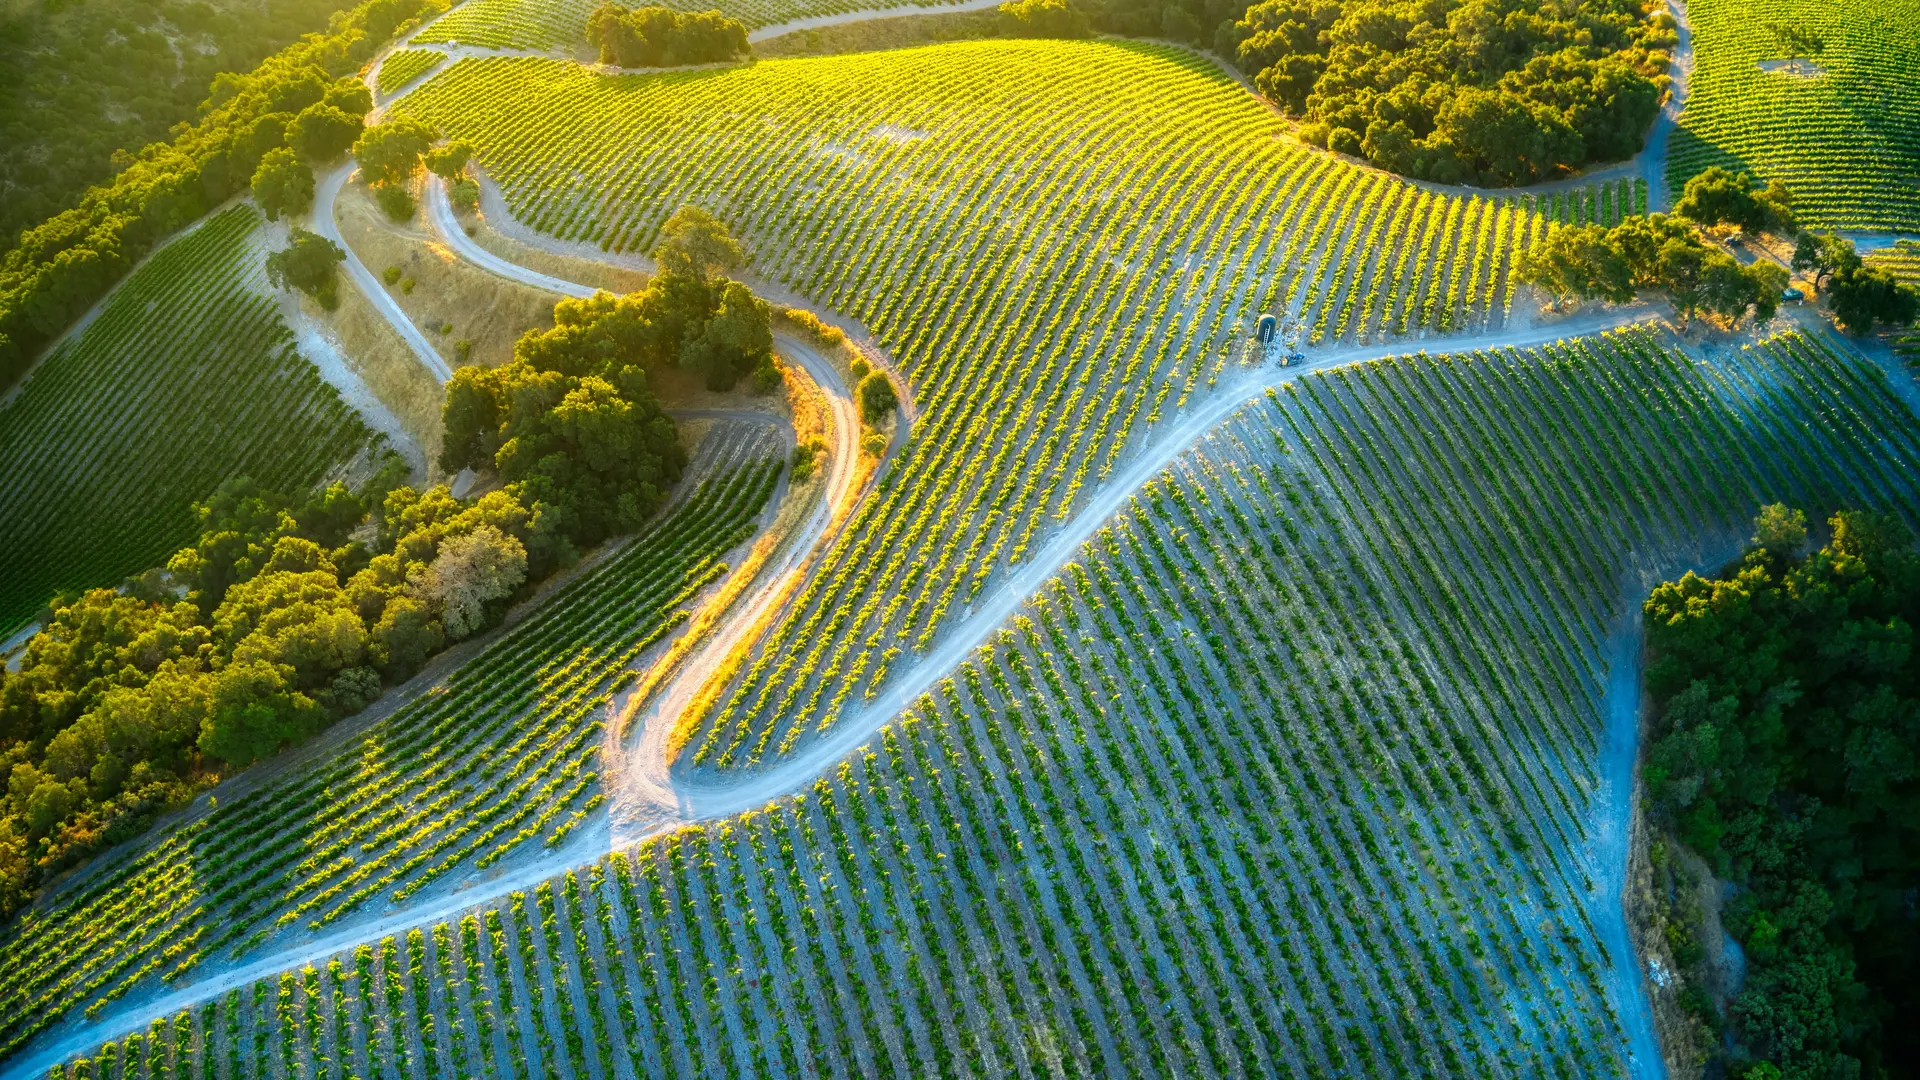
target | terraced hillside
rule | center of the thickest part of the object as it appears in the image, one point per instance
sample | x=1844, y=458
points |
x=1054, y=284
x=1301, y=769
x=187, y=377
x=503, y=757
x=1843, y=131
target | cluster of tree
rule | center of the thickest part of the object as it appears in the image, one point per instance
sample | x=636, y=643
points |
x=1656, y=253
x=1860, y=295
x=1496, y=92
x=1785, y=753
x=88, y=81
x=283, y=617
x=1199, y=23
x=1045, y=19
x=63, y=265
x=1720, y=197
x=572, y=420
x=390, y=156
x=662, y=37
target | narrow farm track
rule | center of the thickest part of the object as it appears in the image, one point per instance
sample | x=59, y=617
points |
x=325, y=192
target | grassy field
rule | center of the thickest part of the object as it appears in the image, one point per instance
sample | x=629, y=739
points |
x=188, y=377
x=1844, y=133
x=501, y=757
x=1294, y=772
x=1053, y=284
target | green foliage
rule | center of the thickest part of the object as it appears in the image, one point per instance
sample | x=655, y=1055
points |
x=1860, y=295
x=1719, y=197
x=449, y=162
x=390, y=153
x=62, y=266
x=571, y=423
x=662, y=37
x=695, y=244
x=877, y=397
x=1496, y=92
x=323, y=132
x=309, y=263
x=283, y=184
x=1045, y=19
x=395, y=201
x=89, y=82
x=1653, y=253
x=1784, y=753
x=463, y=194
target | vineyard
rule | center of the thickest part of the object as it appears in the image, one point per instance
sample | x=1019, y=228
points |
x=1293, y=772
x=406, y=65
x=500, y=758
x=187, y=377
x=1843, y=130
x=1053, y=284
x=561, y=24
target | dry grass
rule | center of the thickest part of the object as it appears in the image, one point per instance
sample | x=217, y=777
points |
x=387, y=366
x=488, y=311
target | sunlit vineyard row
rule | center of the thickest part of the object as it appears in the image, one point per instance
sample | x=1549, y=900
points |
x=502, y=757
x=1292, y=773
x=402, y=67
x=1052, y=285
x=561, y=24
x=187, y=377
x=1842, y=131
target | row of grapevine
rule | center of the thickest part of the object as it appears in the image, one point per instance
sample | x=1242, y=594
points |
x=405, y=65
x=1292, y=773
x=186, y=378
x=1052, y=282
x=501, y=758
x=562, y=24
x=1842, y=131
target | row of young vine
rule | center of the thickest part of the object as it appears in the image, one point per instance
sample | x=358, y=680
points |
x=500, y=758
x=1053, y=282
x=1292, y=773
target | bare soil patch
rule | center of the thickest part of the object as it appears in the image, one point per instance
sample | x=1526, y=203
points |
x=1793, y=69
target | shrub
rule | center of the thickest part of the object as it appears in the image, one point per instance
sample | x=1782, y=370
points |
x=395, y=201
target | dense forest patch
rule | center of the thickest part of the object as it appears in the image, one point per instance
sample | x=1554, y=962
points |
x=1784, y=753
x=1493, y=92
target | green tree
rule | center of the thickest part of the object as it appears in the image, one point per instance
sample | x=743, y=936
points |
x=877, y=397
x=1780, y=530
x=308, y=263
x=1823, y=254
x=283, y=184
x=1717, y=196
x=323, y=132
x=695, y=244
x=449, y=162
x=1045, y=19
x=390, y=153
x=1796, y=41
x=1865, y=295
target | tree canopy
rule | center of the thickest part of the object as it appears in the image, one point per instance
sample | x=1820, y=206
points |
x=1719, y=197
x=662, y=37
x=1495, y=92
x=1784, y=752
x=308, y=263
x=1860, y=295
x=1655, y=253
x=283, y=616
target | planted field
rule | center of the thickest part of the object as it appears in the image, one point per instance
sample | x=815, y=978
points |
x=1294, y=772
x=562, y=24
x=1843, y=131
x=1054, y=284
x=406, y=65
x=188, y=377
x=503, y=757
